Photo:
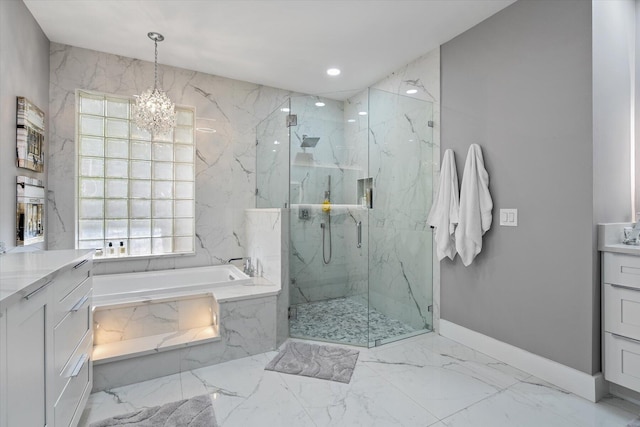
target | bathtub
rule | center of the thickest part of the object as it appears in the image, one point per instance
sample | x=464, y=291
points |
x=152, y=285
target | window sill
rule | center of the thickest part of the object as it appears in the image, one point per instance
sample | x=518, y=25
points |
x=102, y=258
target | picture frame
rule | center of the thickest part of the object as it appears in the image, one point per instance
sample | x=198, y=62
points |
x=30, y=130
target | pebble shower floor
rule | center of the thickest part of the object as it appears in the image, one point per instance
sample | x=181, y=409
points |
x=344, y=320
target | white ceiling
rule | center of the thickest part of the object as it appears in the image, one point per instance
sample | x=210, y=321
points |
x=284, y=44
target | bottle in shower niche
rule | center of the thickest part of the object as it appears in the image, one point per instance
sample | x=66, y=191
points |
x=111, y=251
x=122, y=250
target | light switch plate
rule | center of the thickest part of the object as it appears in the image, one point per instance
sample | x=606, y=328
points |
x=509, y=217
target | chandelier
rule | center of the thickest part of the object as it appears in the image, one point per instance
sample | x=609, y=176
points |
x=154, y=111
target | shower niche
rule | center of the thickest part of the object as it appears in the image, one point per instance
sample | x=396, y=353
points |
x=365, y=192
x=358, y=275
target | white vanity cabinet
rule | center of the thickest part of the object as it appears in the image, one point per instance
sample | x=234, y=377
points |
x=621, y=318
x=45, y=341
x=28, y=342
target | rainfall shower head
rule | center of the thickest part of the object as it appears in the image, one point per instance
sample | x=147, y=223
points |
x=309, y=141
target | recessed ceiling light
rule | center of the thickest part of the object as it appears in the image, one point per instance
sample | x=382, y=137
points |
x=276, y=142
x=333, y=72
x=206, y=130
x=284, y=110
x=320, y=104
x=351, y=120
x=362, y=113
x=274, y=151
x=205, y=125
x=412, y=91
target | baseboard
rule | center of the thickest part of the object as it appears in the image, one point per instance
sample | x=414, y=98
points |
x=590, y=387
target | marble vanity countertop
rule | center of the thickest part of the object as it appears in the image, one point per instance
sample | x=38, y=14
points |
x=610, y=239
x=621, y=248
x=23, y=272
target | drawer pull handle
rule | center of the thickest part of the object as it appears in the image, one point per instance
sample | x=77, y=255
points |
x=81, y=361
x=625, y=338
x=79, y=304
x=32, y=294
x=80, y=264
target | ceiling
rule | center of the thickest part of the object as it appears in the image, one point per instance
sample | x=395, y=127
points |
x=285, y=44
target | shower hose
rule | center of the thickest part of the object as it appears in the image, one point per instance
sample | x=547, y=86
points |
x=324, y=227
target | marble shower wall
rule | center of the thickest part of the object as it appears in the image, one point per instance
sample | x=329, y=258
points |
x=225, y=162
x=404, y=162
x=272, y=160
x=400, y=162
x=311, y=278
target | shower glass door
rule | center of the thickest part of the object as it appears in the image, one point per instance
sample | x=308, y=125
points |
x=328, y=260
x=357, y=175
x=401, y=160
x=272, y=154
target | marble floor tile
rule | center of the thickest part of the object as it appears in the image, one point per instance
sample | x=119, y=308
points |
x=422, y=381
x=442, y=384
x=567, y=405
x=508, y=409
x=368, y=400
x=121, y=400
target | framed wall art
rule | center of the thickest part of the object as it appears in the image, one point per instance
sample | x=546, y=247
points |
x=30, y=136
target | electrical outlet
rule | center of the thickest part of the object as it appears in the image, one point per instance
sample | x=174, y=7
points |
x=509, y=217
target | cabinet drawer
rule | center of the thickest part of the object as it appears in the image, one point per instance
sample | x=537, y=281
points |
x=72, y=277
x=621, y=269
x=76, y=379
x=622, y=311
x=73, y=301
x=70, y=331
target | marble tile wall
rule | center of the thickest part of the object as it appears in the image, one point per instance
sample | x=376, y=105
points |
x=422, y=74
x=267, y=234
x=400, y=161
x=141, y=320
x=247, y=327
x=399, y=249
x=226, y=163
x=225, y=160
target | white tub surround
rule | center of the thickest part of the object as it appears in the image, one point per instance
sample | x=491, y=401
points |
x=45, y=337
x=268, y=246
x=620, y=266
x=152, y=324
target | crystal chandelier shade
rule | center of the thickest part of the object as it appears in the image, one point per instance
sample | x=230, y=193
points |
x=154, y=111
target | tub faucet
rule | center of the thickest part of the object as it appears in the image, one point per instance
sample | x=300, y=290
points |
x=247, y=268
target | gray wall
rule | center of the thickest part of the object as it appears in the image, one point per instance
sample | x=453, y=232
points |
x=637, y=109
x=24, y=67
x=519, y=84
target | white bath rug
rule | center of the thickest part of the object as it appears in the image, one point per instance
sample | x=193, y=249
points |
x=194, y=412
x=316, y=361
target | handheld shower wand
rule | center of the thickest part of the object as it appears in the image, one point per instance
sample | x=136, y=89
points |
x=326, y=207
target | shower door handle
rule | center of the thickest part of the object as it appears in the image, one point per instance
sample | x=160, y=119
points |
x=359, y=230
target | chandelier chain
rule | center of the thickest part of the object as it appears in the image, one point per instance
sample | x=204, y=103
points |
x=155, y=70
x=153, y=110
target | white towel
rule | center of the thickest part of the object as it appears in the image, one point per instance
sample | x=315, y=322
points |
x=475, y=206
x=444, y=211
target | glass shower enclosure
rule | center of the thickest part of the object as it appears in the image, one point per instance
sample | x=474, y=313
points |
x=356, y=178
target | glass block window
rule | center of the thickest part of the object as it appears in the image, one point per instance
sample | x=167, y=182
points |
x=133, y=189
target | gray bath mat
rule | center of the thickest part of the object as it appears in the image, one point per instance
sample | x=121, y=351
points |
x=194, y=412
x=317, y=361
